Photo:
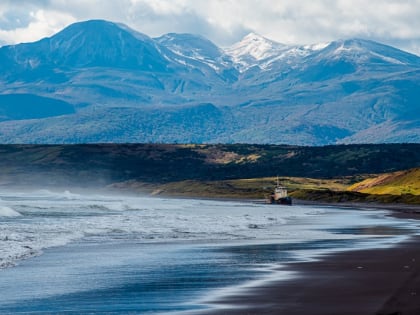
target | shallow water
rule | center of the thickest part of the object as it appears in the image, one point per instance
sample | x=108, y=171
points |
x=62, y=251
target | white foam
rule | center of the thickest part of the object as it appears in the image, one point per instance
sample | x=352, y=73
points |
x=8, y=212
x=57, y=218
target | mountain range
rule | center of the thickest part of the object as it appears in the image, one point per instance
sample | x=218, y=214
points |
x=99, y=81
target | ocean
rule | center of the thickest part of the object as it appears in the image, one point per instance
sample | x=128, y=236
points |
x=70, y=253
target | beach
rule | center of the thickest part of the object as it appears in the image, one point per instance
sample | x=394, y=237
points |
x=75, y=254
x=376, y=281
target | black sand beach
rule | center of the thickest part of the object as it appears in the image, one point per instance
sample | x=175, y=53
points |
x=378, y=282
x=164, y=257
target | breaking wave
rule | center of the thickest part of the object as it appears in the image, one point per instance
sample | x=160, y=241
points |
x=8, y=212
x=58, y=218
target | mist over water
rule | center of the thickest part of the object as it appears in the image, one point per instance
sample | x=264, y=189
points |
x=103, y=232
x=31, y=222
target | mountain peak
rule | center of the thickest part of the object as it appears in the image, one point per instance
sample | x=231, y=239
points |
x=257, y=46
x=190, y=45
x=195, y=49
x=252, y=49
x=93, y=31
x=253, y=37
x=95, y=43
x=118, y=85
x=95, y=28
x=368, y=51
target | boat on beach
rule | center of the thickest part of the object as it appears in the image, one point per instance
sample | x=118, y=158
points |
x=279, y=195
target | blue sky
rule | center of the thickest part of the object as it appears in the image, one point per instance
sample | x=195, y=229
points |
x=392, y=22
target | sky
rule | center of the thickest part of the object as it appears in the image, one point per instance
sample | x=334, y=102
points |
x=393, y=22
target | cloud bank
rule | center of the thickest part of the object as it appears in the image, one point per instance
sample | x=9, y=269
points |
x=224, y=21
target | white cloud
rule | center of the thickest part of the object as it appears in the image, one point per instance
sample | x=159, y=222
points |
x=42, y=23
x=394, y=22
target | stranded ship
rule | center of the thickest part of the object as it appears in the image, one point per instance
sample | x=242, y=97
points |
x=279, y=195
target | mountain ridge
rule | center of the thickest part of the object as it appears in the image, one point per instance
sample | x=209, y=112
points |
x=257, y=91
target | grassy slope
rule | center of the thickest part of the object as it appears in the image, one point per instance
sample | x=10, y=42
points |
x=395, y=187
x=396, y=183
x=256, y=188
x=324, y=190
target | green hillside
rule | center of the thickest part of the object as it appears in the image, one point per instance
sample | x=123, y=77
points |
x=103, y=164
x=396, y=183
x=255, y=188
x=228, y=170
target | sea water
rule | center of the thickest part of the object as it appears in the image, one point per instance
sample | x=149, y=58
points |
x=86, y=253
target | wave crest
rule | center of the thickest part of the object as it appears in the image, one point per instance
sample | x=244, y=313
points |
x=8, y=212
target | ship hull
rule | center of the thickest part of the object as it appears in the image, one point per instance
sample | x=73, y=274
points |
x=281, y=201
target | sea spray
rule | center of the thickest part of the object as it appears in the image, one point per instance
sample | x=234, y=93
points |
x=33, y=221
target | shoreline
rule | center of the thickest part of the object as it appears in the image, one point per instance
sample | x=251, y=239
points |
x=372, y=205
x=399, y=210
x=377, y=282
x=263, y=299
x=384, y=281
x=412, y=211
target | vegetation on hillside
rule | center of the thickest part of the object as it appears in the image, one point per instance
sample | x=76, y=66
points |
x=237, y=170
x=164, y=163
x=396, y=183
x=255, y=188
x=323, y=190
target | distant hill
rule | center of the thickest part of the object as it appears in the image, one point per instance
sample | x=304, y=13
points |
x=99, y=165
x=99, y=81
x=396, y=183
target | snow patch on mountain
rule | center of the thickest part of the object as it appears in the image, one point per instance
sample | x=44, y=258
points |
x=256, y=50
x=253, y=49
x=153, y=89
x=196, y=48
x=364, y=51
x=316, y=47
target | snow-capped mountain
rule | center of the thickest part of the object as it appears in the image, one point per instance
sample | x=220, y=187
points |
x=254, y=50
x=99, y=81
x=367, y=51
x=100, y=62
x=194, y=47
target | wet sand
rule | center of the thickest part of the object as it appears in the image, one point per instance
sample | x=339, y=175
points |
x=362, y=282
x=142, y=278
